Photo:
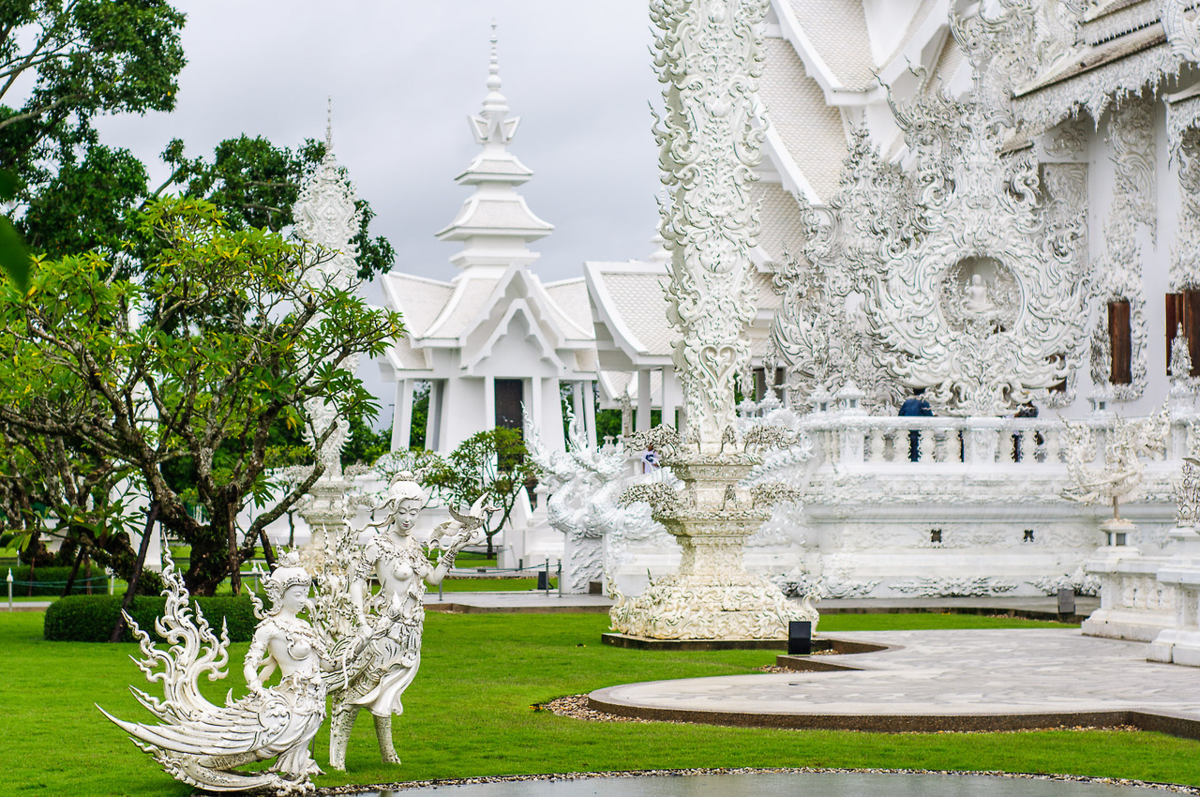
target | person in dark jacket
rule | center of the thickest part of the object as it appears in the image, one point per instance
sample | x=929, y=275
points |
x=915, y=407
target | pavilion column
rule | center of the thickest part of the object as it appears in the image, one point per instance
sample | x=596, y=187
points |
x=433, y=420
x=402, y=416
x=577, y=402
x=589, y=411
x=669, y=392
x=489, y=402
x=535, y=401
x=643, y=400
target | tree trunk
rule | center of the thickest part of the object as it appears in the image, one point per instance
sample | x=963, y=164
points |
x=131, y=590
x=235, y=561
x=268, y=549
x=74, y=570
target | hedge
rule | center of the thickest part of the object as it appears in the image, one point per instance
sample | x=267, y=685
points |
x=91, y=618
x=52, y=580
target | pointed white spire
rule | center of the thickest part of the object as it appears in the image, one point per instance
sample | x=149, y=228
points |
x=495, y=211
x=492, y=126
x=328, y=125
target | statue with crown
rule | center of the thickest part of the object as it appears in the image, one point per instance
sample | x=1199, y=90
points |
x=203, y=744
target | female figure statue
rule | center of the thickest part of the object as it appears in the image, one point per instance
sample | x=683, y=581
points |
x=200, y=743
x=392, y=619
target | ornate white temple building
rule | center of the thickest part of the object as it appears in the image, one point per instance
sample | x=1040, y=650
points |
x=992, y=203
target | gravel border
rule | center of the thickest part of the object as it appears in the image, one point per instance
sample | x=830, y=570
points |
x=570, y=776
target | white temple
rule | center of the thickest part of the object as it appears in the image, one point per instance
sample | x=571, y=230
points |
x=495, y=337
x=994, y=203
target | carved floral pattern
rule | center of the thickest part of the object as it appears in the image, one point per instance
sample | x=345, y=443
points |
x=709, y=55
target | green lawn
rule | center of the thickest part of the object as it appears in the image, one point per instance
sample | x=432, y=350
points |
x=469, y=712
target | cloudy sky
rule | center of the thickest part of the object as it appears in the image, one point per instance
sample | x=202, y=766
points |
x=404, y=75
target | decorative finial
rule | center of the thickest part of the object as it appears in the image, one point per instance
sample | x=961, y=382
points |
x=329, y=124
x=493, y=82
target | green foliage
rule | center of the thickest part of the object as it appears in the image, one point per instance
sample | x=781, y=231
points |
x=231, y=342
x=14, y=258
x=91, y=618
x=491, y=464
x=82, y=58
x=51, y=580
x=257, y=183
x=364, y=443
x=420, y=414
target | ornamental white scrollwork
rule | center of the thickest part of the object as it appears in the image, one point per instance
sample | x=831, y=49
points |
x=1119, y=269
x=709, y=54
x=327, y=218
x=1183, y=34
x=584, y=485
x=973, y=284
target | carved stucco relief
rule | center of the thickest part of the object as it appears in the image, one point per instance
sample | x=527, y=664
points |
x=1119, y=270
x=966, y=270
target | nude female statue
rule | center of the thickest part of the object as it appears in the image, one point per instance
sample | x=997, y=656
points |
x=393, y=618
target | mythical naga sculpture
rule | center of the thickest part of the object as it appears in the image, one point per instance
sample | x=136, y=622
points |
x=584, y=484
x=379, y=635
x=202, y=744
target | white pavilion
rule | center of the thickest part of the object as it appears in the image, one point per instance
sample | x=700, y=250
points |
x=495, y=337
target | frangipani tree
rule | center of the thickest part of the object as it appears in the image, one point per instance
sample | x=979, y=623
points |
x=195, y=364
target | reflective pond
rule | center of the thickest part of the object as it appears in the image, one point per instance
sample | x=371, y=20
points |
x=825, y=784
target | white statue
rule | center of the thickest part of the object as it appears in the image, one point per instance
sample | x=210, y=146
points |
x=976, y=301
x=584, y=484
x=1121, y=474
x=389, y=623
x=200, y=743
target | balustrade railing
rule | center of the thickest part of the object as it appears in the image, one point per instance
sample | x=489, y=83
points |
x=989, y=443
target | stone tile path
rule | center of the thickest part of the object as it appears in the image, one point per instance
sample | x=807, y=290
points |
x=948, y=675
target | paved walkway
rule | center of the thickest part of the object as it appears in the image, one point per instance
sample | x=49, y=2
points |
x=941, y=680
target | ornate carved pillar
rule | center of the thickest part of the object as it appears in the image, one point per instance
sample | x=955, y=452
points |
x=709, y=56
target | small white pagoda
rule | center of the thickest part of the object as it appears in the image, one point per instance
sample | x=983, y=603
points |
x=495, y=337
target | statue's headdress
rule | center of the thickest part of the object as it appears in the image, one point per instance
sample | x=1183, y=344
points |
x=404, y=488
x=287, y=573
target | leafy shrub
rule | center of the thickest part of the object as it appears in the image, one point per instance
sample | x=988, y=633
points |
x=91, y=618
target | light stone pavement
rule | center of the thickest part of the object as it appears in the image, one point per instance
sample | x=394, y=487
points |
x=945, y=673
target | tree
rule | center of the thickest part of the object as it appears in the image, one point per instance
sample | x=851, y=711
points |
x=230, y=343
x=491, y=463
x=83, y=58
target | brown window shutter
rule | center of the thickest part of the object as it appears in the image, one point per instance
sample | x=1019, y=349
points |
x=1122, y=347
x=1174, y=317
x=1191, y=326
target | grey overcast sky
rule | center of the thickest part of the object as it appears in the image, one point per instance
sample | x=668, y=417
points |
x=404, y=75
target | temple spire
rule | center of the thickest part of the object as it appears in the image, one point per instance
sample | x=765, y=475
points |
x=329, y=124
x=495, y=212
x=492, y=125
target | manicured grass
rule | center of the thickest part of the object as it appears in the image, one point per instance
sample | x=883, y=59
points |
x=469, y=712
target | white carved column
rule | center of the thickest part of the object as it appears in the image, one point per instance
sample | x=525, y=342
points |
x=643, y=400
x=669, y=388
x=709, y=54
x=402, y=416
x=589, y=412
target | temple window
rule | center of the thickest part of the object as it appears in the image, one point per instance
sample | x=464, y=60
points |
x=1122, y=347
x=1183, y=308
